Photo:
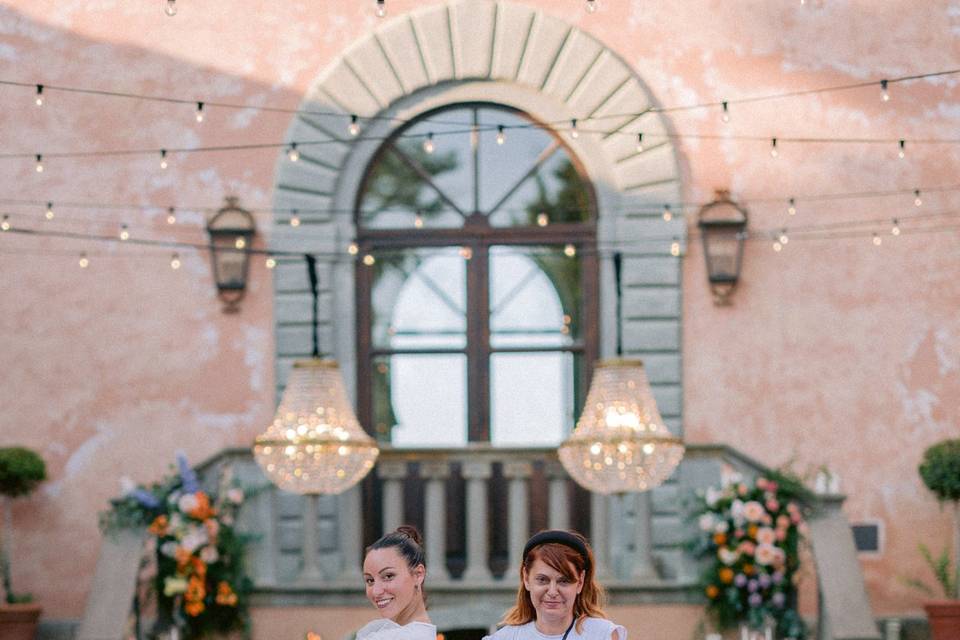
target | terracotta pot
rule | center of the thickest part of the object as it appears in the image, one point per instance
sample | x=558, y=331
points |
x=19, y=621
x=944, y=617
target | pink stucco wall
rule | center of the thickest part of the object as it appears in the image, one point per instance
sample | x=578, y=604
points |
x=834, y=353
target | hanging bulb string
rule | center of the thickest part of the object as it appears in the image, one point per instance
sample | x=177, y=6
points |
x=315, y=292
x=617, y=268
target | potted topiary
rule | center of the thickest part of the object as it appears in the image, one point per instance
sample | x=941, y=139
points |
x=21, y=470
x=940, y=471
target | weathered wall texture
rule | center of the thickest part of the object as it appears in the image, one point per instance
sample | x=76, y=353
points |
x=836, y=352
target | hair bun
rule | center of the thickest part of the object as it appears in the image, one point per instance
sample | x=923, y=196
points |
x=411, y=532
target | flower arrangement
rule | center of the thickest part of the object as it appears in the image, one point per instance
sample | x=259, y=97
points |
x=751, y=535
x=200, y=584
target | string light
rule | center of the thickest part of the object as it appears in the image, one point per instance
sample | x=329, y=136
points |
x=675, y=248
x=171, y=8
x=877, y=240
x=570, y=250
x=294, y=218
x=777, y=247
x=667, y=213
x=381, y=8
x=542, y=219
x=369, y=260
x=293, y=154
x=428, y=143
x=39, y=100
x=640, y=142
x=501, y=136
x=726, y=111
x=199, y=115
x=773, y=148
x=784, y=239
x=240, y=243
x=901, y=153
x=49, y=213
x=895, y=230
x=163, y=158
x=884, y=94
x=354, y=127
x=171, y=216
x=917, y=201
x=418, y=220
x=84, y=262
x=124, y=232
x=39, y=163
x=573, y=129
x=270, y=263
x=5, y=223
x=792, y=207
x=591, y=6
x=466, y=253
x=175, y=261
x=353, y=249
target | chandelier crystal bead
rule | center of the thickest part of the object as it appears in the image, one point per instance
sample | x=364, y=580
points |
x=620, y=443
x=315, y=443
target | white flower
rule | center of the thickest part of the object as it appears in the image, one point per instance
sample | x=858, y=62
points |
x=753, y=511
x=722, y=527
x=209, y=554
x=707, y=522
x=195, y=538
x=727, y=556
x=187, y=503
x=176, y=521
x=766, y=554
x=235, y=495
x=169, y=548
x=766, y=535
x=126, y=485
x=712, y=496
x=736, y=512
x=173, y=586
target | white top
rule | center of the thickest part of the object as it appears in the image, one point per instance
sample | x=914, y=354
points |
x=385, y=629
x=593, y=629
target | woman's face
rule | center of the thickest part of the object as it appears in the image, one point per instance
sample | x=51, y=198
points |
x=553, y=594
x=392, y=587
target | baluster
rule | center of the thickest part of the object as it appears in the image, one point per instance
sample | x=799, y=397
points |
x=351, y=536
x=643, y=568
x=310, y=572
x=599, y=533
x=436, y=473
x=518, y=509
x=393, y=473
x=263, y=514
x=559, y=496
x=476, y=474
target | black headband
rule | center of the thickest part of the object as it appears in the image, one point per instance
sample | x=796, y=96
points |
x=559, y=536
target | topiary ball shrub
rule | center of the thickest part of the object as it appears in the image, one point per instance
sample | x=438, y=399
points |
x=21, y=470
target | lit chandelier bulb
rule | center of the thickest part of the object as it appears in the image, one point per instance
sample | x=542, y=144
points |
x=640, y=142
x=270, y=263
x=542, y=219
x=675, y=248
x=773, y=148
x=292, y=153
x=725, y=116
x=428, y=143
x=381, y=8
x=39, y=100
x=171, y=216
x=294, y=218
x=884, y=94
x=501, y=136
x=124, y=232
x=39, y=163
x=354, y=127
x=573, y=129
x=877, y=240
x=175, y=261
x=353, y=249
x=895, y=230
x=902, y=153
x=199, y=114
x=792, y=207
x=667, y=213
x=163, y=158
x=418, y=220
x=83, y=262
x=917, y=201
x=171, y=8
x=5, y=223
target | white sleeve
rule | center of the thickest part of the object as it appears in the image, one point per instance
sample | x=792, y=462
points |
x=621, y=632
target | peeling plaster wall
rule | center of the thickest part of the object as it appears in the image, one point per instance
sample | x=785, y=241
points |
x=834, y=353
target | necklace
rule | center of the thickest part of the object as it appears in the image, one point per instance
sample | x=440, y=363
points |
x=570, y=628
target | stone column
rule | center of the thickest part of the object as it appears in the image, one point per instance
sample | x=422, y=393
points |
x=310, y=572
x=392, y=473
x=642, y=542
x=476, y=473
x=599, y=533
x=436, y=473
x=559, y=496
x=518, y=511
x=351, y=536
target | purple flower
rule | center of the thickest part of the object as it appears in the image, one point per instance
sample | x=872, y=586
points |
x=740, y=580
x=764, y=580
x=778, y=599
x=145, y=498
x=188, y=477
x=755, y=600
x=752, y=586
x=777, y=577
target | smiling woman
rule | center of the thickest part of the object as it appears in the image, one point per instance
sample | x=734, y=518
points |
x=393, y=571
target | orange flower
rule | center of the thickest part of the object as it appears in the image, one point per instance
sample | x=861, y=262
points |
x=195, y=589
x=225, y=595
x=313, y=636
x=712, y=591
x=203, y=510
x=726, y=575
x=719, y=538
x=182, y=556
x=194, y=608
x=159, y=526
x=752, y=531
x=748, y=569
x=199, y=567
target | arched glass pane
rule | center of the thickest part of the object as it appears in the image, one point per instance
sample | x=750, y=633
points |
x=531, y=398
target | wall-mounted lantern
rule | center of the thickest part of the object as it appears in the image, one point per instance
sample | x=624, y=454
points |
x=723, y=227
x=231, y=232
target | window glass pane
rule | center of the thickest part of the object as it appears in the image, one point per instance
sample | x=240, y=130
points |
x=531, y=398
x=535, y=297
x=420, y=400
x=419, y=300
x=555, y=189
x=502, y=167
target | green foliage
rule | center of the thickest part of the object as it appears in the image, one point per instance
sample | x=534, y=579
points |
x=942, y=571
x=21, y=470
x=940, y=469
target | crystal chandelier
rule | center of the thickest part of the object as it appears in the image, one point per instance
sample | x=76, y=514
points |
x=315, y=443
x=620, y=442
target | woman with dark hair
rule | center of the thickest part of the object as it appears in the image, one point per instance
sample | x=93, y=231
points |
x=559, y=596
x=394, y=568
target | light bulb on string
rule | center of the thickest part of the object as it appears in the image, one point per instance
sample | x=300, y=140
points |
x=901, y=154
x=570, y=250
x=884, y=94
x=353, y=249
x=640, y=142
x=784, y=239
x=917, y=201
x=418, y=220
x=725, y=113
x=175, y=261
x=270, y=263
x=124, y=232
x=675, y=248
x=49, y=214
x=84, y=262
x=171, y=216
x=240, y=243
x=877, y=240
x=354, y=127
x=501, y=136
x=5, y=223
x=428, y=143
x=573, y=129
x=591, y=6
x=368, y=259
x=667, y=213
x=542, y=219
x=294, y=218
x=773, y=148
x=171, y=8
x=39, y=100
x=792, y=206
x=895, y=229
x=381, y=8
x=39, y=163
x=163, y=158
x=292, y=153
x=777, y=247
x=466, y=252
x=199, y=114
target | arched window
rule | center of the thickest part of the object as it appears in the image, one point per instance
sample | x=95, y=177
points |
x=477, y=318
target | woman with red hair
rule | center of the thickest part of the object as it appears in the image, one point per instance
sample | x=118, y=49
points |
x=559, y=597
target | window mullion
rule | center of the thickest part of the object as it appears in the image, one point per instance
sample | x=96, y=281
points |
x=478, y=344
